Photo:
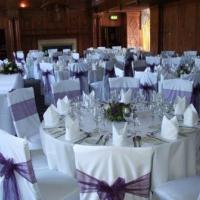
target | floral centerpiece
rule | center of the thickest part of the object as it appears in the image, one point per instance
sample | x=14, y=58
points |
x=115, y=111
x=9, y=68
x=184, y=69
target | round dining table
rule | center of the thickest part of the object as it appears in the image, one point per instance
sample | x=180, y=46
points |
x=172, y=159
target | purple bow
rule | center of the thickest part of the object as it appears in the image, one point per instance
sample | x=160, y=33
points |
x=139, y=187
x=47, y=85
x=147, y=89
x=10, y=188
x=152, y=67
x=20, y=60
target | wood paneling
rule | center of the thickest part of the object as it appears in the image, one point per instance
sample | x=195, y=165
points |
x=133, y=29
x=40, y=24
x=154, y=28
x=177, y=25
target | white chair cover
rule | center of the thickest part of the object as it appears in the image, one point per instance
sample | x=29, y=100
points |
x=10, y=82
x=17, y=149
x=48, y=79
x=181, y=189
x=111, y=166
x=69, y=88
x=173, y=62
x=52, y=51
x=153, y=60
x=116, y=47
x=119, y=72
x=25, y=116
x=166, y=54
x=172, y=88
x=95, y=75
x=190, y=53
x=148, y=83
x=124, y=83
x=197, y=63
x=75, y=56
x=66, y=50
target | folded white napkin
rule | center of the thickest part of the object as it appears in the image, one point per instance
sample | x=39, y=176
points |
x=190, y=116
x=179, y=105
x=118, y=135
x=66, y=99
x=63, y=107
x=72, y=130
x=169, y=128
x=126, y=96
x=89, y=99
x=51, y=117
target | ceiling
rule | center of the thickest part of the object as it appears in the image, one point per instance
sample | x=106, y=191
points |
x=99, y=5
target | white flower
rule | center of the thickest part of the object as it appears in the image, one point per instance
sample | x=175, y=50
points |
x=5, y=61
x=106, y=106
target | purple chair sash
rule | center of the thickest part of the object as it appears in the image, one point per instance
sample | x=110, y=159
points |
x=20, y=60
x=47, y=85
x=139, y=187
x=23, y=109
x=151, y=66
x=147, y=90
x=170, y=95
x=8, y=169
x=70, y=94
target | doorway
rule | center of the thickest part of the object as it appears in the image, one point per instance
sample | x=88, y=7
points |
x=111, y=36
x=3, y=53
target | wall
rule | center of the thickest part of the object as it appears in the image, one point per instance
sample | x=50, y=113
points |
x=38, y=24
x=175, y=26
x=103, y=20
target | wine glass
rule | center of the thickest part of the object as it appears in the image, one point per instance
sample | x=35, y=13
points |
x=127, y=114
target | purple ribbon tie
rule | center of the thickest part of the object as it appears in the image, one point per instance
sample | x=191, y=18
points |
x=139, y=187
x=47, y=85
x=23, y=109
x=8, y=169
x=147, y=89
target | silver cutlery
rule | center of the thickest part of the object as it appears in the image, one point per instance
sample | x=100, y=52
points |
x=100, y=138
x=156, y=138
x=82, y=139
x=106, y=140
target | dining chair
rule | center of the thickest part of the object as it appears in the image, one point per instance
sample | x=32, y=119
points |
x=181, y=189
x=25, y=116
x=172, y=88
x=148, y=83
x=110, y=172
x=123, y=83
x=48, y=78
x=69, y=88
x=190, y=53
x=166, y=54
x=21, y=181
x=197, y=63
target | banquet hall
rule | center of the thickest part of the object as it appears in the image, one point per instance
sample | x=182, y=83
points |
x=99, y=100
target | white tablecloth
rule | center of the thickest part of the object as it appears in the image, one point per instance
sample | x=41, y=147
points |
x=172, y=159
x=8, y=83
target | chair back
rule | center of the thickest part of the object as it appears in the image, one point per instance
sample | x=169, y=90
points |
x=197, y=63
x=166, y=54
x=69, y=88
x=123, y=83
x=24, y=112
x=190, y=53
x=172, y=88
x=153, y=60
x=121, y=172
x=16, y=149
